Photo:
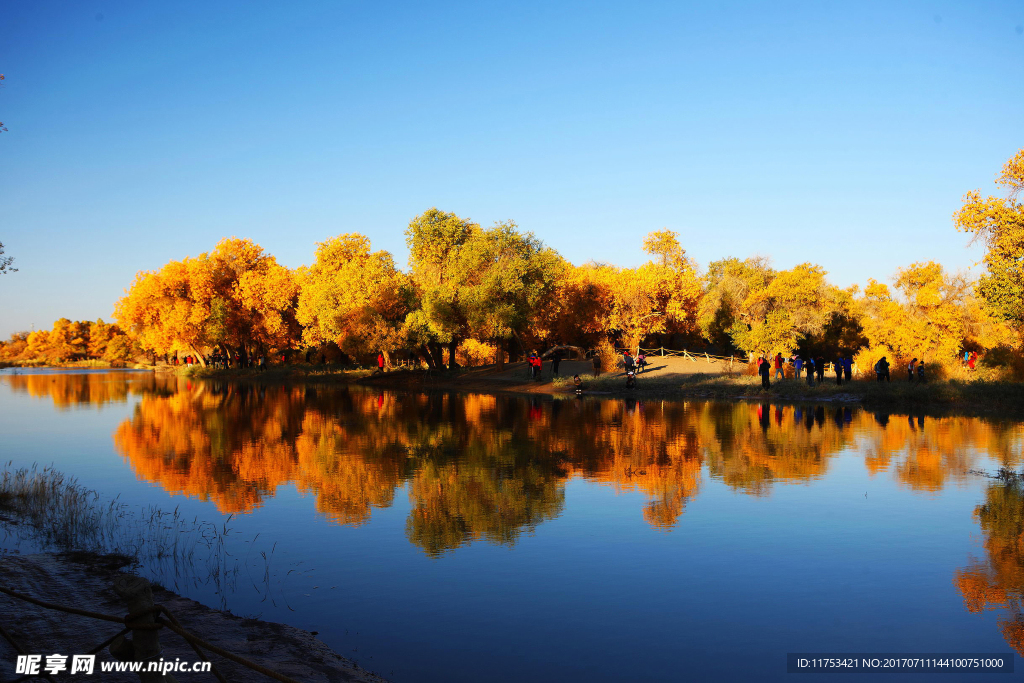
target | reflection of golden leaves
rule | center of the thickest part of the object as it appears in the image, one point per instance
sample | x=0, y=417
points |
x=1013, y=632
x=483, y=466
x=94, y=389
x=999, y=581
x=978, y=592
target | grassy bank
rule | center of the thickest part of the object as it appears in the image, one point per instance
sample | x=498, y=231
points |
x=951, y=393
x=960, y=395
x=276, y=373
x=100, y=364
x=49, y=510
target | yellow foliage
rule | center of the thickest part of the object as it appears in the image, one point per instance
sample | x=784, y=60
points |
x=472, y=353
x=353, y=297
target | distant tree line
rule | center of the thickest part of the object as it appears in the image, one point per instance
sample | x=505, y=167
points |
x=69, y=342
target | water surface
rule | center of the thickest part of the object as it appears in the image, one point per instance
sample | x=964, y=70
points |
x=438, y=537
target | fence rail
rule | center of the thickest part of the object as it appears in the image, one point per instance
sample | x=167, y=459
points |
x=695, y=356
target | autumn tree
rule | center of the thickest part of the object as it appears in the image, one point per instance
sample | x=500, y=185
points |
x=235, y=297
x=999, y=224
x=793, y=310
x=577, y=310
x=507, y=277
x=660, y=296
x=727, y=285
x=752, y=307
x=476, y=283
x=932, y=314
x=353, y=297
x=69, y=341
x=14, y=348
x=435, y=239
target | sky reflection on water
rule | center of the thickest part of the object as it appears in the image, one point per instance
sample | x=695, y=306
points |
x=498, y=538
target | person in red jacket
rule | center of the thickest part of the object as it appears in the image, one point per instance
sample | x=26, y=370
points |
x=380, y=362
x=535, y=365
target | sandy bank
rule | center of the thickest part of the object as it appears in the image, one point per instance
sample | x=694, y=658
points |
x=666, y=378
x=85, y=581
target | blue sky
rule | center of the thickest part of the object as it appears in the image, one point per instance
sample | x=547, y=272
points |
x=839, y=133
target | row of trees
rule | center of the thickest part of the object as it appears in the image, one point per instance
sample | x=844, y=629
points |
x=70, y=341
x=498, y=287
x=489, y=294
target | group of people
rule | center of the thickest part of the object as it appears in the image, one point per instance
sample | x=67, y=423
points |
x=842, y=366
x=221, y=360
x=536, y=363
x=914, y=368
x=634, y=364
x=631, y=364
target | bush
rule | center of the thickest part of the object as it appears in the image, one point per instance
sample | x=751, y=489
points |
x=609, y=357
x=472, y=353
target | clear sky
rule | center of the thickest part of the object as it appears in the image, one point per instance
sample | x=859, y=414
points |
x=839, y=133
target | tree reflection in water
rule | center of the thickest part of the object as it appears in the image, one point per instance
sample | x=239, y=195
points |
x=491, y=467
x=998, y=580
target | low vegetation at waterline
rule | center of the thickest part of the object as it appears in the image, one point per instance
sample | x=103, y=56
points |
x=963, y=395
x=51, y=511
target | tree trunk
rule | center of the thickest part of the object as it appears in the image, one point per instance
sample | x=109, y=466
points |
x=452, y=346
x=198, y=356
x=424, y=353
x=500, y=353
x=437, y=353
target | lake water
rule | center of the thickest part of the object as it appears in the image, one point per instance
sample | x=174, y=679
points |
x=442, y=537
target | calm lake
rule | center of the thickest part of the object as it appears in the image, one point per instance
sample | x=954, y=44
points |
x=441, y=537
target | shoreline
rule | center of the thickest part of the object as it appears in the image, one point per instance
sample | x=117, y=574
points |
x=707, y=382
x=979, y=398
x=85, y=581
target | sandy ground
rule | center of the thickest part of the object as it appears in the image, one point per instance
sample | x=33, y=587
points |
x=88, y=585
x=667, y=369
x=662, y=372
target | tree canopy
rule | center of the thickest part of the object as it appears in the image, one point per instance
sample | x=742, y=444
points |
x=483, y=294
x=998, y=222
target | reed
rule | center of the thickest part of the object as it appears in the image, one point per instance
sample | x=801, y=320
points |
x=53, y=512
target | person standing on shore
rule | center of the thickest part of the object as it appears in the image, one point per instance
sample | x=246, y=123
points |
x=810, y=372
x=641, y=362
x=779, y=374
x=820, y=366
x=882, y=370
x=848, y=367
x=764, y=369
x=910, y=370
x=380, y=362
x=838, y=367
x=556, y=358
x=973, y=360
x=597, y=364
x=627, y=361
x=920, y=372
